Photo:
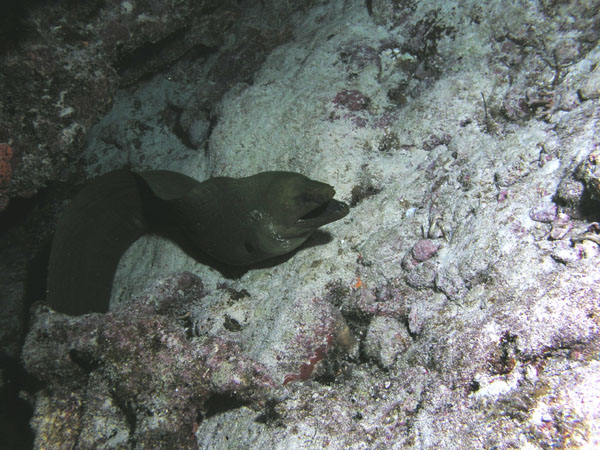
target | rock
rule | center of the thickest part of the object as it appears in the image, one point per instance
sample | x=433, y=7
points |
x=132, y=374
x=590, y=86
x=386, y=339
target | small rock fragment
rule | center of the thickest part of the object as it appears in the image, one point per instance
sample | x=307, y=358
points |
x=561, y=226
x=424, y=249
x=565, y=254
x=451, y=283
x=543, y=212
x=198, y=132
x=569, y=192
x=416, y=318
x=422, y=276
x=386, y=339
x=590, y=87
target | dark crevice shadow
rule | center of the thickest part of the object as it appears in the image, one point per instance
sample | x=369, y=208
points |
x=15, y=412
x=35, y=284
x=590, y=208
x=16, y=213
x=220, y=403
x=13, y=24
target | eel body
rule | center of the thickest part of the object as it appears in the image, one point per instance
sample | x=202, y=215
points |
x=237, y=221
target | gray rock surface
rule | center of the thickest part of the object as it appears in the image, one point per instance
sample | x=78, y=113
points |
x=455, y=307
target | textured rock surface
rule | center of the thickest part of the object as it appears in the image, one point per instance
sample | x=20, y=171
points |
x=455, y=307
x=135, y=376
x=62, y=65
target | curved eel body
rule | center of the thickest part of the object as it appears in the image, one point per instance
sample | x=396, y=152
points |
x=237, y=221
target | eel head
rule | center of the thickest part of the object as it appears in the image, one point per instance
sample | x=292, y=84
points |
x=293, y=207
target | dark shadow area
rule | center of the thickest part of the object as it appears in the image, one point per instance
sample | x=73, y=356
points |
x=15, y=412
x=220, y=403
x=24, y=251
x=35, y=285
x=16, y=213
x=12, y=22
x=84, y=360
x=576, y=200
x=270, y=416
x=153, y=57
x=19, y=245
x=589, y=208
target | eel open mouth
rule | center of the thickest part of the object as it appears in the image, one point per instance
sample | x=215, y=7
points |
x=329, y=211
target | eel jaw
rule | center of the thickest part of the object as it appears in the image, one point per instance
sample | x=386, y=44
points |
x=328, y=211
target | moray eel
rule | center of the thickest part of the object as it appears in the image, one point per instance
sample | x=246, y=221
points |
x=236, y=221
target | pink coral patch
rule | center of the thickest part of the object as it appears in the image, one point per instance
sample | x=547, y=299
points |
x=6, y=153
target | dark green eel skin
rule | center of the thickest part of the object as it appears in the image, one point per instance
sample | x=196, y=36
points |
x=237, y=221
